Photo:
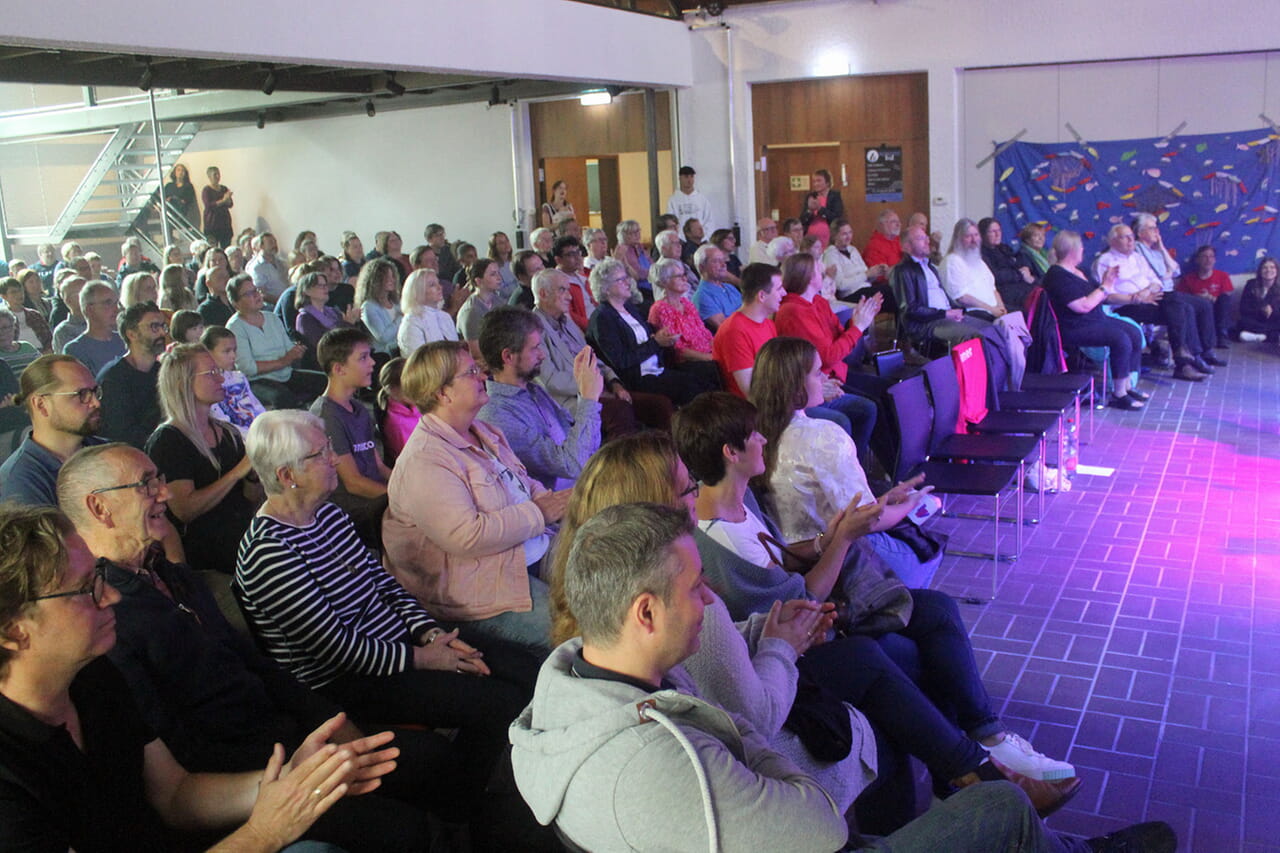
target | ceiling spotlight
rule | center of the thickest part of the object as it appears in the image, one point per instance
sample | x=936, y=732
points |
x=392, y=86
x=596, y=99
x=495, y=97
x=262, y=120
x=148, y=76
x=269, y=84
x=369, y=109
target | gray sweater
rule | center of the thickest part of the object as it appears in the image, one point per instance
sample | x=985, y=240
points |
x=619, y=768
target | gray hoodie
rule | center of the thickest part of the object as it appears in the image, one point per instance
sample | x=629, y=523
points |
x=618, y=768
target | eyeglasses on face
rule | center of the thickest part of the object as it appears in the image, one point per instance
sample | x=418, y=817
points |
x=83, y=395
x=326, y=450
x=158, y=326
x=152, y=484
x=471, y=372
x=693, y=489
x=95, y=587
x=214, y=372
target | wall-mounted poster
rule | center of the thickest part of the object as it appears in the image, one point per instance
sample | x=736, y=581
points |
x=884, y=173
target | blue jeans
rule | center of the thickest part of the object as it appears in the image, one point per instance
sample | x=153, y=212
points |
x=980, y=818
x=899, y=556
x=531, y=629
x=929, y=721
x=855, y=414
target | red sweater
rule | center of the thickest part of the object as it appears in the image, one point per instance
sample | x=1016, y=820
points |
x=882, y=250
x=815, y=322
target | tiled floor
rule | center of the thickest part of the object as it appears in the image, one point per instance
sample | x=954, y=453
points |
x=1139, y=634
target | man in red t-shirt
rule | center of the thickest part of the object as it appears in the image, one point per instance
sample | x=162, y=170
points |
x=1212, y=284
x=740, y=337
x=884, y=249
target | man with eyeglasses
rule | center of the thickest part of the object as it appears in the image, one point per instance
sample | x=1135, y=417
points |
x=80, y=769
x=568, y=253
x=65, y=405
x=131, y=400
x=99, y=344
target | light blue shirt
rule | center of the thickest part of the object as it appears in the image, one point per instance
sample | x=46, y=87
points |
x=714, y=298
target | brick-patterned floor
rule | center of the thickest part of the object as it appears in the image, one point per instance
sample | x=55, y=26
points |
x=1139, y=634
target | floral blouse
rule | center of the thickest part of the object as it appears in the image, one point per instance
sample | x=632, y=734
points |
x=694, y=334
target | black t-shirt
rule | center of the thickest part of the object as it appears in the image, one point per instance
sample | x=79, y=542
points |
x=53, y=797
x=212, y=539
x=1063, y=288
x=130, y=402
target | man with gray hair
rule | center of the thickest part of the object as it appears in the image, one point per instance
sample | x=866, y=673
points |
x=564, y=342
x=715, y=298
x=553, y=442
x=620, y=752
x=100, y=343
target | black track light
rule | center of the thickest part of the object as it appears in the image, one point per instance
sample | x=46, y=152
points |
x=495, y=97
x=269, y=84
x=147, y=78
x=369, y=109
x=262, y=120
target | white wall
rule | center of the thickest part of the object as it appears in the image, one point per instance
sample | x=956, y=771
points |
x=788, y=41
x=500, y=37
x=397, y=171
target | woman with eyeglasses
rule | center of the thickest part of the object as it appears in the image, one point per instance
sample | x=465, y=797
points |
x=78, y=767
x=213, y=491
x=323, y=606
x=466, y=528
x=670, y=277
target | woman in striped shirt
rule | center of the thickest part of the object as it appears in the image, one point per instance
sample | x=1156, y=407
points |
x=324, y=609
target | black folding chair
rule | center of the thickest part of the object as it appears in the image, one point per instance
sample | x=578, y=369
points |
x=913, y=418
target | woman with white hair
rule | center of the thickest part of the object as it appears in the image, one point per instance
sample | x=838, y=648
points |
x=324, y=608
x=781, y=248
x=213, y=491
x=673, y=309
x=596, y=242
x=543, y=240
x=633, y=348
x=424, y=321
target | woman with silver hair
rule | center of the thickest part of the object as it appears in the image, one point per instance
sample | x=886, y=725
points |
x=633, y=348
x=213, y=491
x=781, y=248
x=596, y=244
x=324, y=608
x=673, y=310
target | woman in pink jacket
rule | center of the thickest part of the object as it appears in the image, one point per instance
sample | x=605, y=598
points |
x=466, y=526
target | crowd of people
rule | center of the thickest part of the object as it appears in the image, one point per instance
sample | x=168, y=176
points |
x=603, y=517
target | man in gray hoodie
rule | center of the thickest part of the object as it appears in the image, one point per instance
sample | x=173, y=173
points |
x=620, y=759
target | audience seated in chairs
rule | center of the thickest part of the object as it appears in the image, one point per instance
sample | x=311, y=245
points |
x=484, y=281
x=633, y=348
x=673, y=310
x=64, y=402
x=396, y=415
x=378, y=295
x=551, y=441
x=423, y=321
x=1077, y=300
x=1013, y=278
x=213, y=491
x=324, y=609
x=239, y=406
x=82, y=771
x=130, y=405
x=315, y=317
x=1207, y=282
x=748, y=668
x=715, y=297
x=467, y=527
x=266, y=354
x=967, y=276
x=346, y=356
x=100, y=343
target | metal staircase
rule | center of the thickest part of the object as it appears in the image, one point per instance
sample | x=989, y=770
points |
x=120, y=193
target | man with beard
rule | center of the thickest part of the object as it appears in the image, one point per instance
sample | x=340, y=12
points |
x=966, y=278
x=553, y=443
x=65, y=406
x=131, y=402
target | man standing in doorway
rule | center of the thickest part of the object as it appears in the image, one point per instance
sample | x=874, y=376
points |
x=687, y=203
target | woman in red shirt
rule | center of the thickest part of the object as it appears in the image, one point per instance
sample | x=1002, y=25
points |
x=804, y=313
x=1212, y=284
x=674, y=311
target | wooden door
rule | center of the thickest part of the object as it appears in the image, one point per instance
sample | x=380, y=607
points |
x=788, y=169
x=862, y=214
x=571, y=170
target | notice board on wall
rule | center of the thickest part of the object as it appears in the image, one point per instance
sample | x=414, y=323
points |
x=884, y=173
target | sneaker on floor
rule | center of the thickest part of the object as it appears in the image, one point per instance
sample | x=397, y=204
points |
x=1153, y=837
x=1021, y=757
x=1252, y=337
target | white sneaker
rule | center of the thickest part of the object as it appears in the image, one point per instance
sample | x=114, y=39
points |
x=1015, y=753
x=1252, y=337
